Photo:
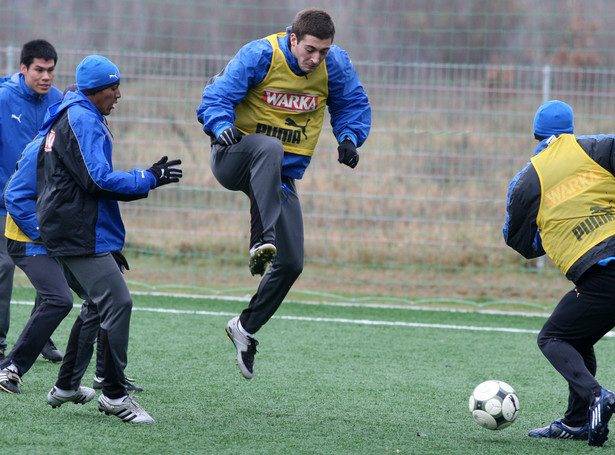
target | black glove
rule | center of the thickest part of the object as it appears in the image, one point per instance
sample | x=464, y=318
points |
x=229, y=136
x=348, y=153
x=120, y=260
x=164, y=172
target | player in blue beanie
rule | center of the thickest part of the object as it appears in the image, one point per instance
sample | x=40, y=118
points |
x=80, y=224
x=553, y=118
x=96, y=73
x=561, y=204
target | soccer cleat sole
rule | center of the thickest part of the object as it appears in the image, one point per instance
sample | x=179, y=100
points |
x=9, y=391
x=10, y=381
x=261, y=259
x=53, y=406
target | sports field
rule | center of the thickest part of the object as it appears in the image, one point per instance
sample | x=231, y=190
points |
x=329, y=380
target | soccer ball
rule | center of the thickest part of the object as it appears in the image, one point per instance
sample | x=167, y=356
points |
x=494, y=405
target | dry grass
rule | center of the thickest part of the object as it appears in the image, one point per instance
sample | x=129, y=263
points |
x=420, y=217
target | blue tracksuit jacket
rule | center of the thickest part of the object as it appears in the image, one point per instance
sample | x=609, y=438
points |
x=21, y=114
x=78, y=189
x=347, y=101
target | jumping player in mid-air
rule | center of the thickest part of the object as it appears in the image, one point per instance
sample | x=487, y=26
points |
x=264, y=113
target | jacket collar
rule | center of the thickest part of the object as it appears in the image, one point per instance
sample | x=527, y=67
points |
x=27, y=92
x=284, y=43
x=71, y=99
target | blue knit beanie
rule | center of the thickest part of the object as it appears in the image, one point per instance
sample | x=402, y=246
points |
x=96, y=73
x=553, y=118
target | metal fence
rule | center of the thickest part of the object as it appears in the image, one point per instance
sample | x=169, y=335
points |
x=418, y=220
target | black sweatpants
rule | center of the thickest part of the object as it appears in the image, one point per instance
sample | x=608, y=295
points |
x=581, y=318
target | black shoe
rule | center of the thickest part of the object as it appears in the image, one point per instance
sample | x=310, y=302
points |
x=132, y=387
x=97, y=384
x=599, y=415
x=51, y=353
x=9, y=381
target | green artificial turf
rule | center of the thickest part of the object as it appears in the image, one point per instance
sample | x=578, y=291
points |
x=329, y=380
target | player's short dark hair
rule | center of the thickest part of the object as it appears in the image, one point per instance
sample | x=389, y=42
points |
x=38, y=48
x=314, y=21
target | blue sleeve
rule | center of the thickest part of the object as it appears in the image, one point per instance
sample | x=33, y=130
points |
x=520, y=231
x=351, y=114
x=123, y=183
x=98, y=176
x=20, y=192
x=225, y=91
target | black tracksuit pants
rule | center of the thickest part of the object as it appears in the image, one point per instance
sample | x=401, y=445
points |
x=581, y=318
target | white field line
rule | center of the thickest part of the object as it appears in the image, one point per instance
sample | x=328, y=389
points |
x=331, y=320
x=389, y=306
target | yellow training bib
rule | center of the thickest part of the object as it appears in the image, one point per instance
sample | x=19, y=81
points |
x=576, y=209
x=285, y=105
x=13, y=232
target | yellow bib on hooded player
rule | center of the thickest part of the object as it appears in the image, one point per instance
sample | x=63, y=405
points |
x=285, y=105
x=13, y=232
x=576, y=211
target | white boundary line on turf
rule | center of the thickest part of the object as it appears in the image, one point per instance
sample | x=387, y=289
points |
x=350, y=321
x=342, y=320
x=389, y=306
x=336, y=320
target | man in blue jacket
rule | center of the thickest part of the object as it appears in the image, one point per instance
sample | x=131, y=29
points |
x=561, y=204
x=264, y=113
x=80, y=225
x=25, y=247
x=24, y=99
x=29, y=254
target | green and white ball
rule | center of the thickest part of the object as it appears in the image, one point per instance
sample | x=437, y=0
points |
x=494, y=405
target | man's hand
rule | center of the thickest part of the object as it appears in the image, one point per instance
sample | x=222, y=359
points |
x=164, y=171
x=348, y=154
x=120, y=260
x=229, y=136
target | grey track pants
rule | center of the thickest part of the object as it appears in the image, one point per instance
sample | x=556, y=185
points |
x=98, y=279
x=54, y=302
x=254, y=166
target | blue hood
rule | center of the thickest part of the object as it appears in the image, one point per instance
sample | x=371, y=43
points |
x=55, y=110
